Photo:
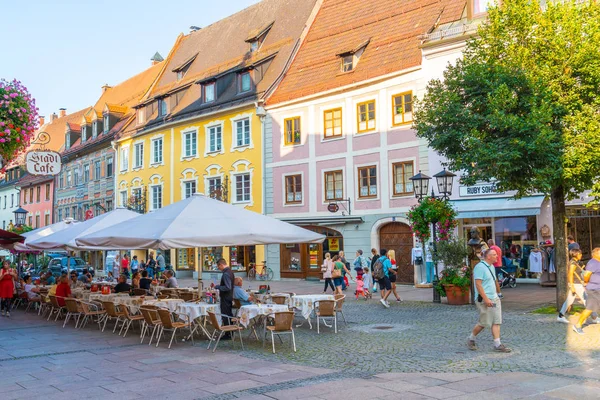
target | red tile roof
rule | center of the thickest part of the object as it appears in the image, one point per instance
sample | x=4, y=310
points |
x=392, y=28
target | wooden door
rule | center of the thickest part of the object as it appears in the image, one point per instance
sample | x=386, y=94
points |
x=398, y=237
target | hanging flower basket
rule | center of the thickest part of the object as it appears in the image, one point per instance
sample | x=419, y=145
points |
x=429, y=211
x=18, y=120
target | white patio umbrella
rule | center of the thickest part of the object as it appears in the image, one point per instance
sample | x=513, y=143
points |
x=65, y=239
x=197, y=221
x=40, y=233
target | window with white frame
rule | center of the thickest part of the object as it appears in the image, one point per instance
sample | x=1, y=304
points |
x=190, y=142
x=242, y=187
x=138, y=150
x=189, y=188
x=83, y=134
x=123, y=199
x=162, y=107
x=106, y=123
x=209, y=92
x=156, y=193
x=76, y=176
x=242, y=132
x=86, y=173
x=109, y=167
x=245, y=82
x=214, y=184
x=97, y=169
x=215, y=139
x=94, y=129
x=124, y=158
x=141, y=116
x=157, y=150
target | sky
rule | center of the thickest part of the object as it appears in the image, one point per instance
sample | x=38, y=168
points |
x=63, y=51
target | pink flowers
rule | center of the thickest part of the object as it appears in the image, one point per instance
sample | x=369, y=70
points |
x=19, y=116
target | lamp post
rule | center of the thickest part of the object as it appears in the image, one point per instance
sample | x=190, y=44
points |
x=20, y=216
x=444, y=180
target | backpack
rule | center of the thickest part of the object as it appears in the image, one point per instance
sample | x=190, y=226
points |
x=378, y=269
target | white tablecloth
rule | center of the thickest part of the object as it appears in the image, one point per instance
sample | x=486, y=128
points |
x=251, y=311
x=103, y=297
x=266, y=298
x=196, y=310
x=170, y=304
x=306, y=302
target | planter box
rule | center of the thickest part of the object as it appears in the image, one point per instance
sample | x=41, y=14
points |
x=456, y=296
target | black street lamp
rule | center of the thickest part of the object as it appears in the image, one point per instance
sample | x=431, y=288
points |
x=444, y=180
x=20, y=216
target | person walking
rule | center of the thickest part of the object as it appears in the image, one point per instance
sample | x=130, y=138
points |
x=381, y=273
x=592, y=302
x=575, y=283
x=151, y=265
x=498, y=263
x=393, y=273
x=160, y=262
x=125, y=265
x=487, y=301
x=135, y=265
x=572, y=243
x=337, y=273
x=347, y=265
x=359, y=263
x=327, y=268
x=117, y=266
x=374, y=257
x=8, y=276
x=225, y=289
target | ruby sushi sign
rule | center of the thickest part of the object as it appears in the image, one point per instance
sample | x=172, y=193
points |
x=43, y=162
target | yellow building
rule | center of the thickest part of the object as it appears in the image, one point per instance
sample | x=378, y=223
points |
x=200, y=127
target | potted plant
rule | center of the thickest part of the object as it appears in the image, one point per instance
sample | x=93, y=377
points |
x=455, y=279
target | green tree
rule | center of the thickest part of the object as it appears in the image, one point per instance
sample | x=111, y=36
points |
x=523, y=107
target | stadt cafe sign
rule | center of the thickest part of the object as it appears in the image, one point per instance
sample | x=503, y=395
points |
x=40, y=162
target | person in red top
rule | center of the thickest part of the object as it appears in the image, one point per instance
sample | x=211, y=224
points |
x=125, y=265
x=498, y=263
x=63, y=290
x=7, y=287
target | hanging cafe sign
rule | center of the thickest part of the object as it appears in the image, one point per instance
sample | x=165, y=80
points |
x=43, y=162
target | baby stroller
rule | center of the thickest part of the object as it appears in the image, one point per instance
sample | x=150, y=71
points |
x=507, y=277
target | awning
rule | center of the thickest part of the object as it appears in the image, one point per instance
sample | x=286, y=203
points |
x=324, y=221
x=498, y=207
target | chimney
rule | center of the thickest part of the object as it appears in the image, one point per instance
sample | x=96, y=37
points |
x=156, y=58
x=42, y=120
x=53, y=116
x=105, y=87
x=62, y=112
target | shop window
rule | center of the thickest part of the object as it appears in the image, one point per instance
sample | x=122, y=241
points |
x=402, y=108
x=333, y=123
x=292, y=254
x=403, y=171
x=209, y=257
x=293, y=189
x=365, y=116
x=292, y=131
x=367, y=182
x=185, y=259
x=334, y=185
x=517, y=238
x=241, y=256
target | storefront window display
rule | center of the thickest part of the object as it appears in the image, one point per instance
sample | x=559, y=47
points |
x=517, y=237
x=209, y=257
x=185, y=259
x=241, y=256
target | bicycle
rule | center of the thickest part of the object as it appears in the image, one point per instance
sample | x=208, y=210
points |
x=265, y=273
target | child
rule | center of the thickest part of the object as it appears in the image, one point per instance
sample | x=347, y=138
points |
x=360, y=291
x=367, y=280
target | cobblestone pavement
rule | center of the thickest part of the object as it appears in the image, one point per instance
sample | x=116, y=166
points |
x=413, y=350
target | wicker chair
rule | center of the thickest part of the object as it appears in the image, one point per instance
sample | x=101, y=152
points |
x=91, y=311
x=113, y=312
x=236, y=307
x=167, y=324
x=140, y=292
x=129, y=319
x=325, y=309
x=221, y=330
x=32, y=302
x=151, y=320
x=283, y=323
x=56, y=307
x=339, y=303
x=278, y=299
x=73, y=310
x=187, y=296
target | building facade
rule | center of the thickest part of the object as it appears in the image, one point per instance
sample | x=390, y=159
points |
x=36, y=197
x=339, y=140
x=200, y=130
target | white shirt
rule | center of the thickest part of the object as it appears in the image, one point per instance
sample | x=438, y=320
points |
x=416, y=252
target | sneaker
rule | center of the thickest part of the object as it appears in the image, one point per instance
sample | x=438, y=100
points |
x=502, y=349
x=471, y=345
x=578, y=330
x=399, y=300
x=8, y=314
x=3, y=313
x=594, y=321
x=562, y=319
x=382, y=301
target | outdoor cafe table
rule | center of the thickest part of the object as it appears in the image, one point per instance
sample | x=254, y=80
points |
x=170, y=304
x=196, y=312
x=251, y=311
x=264, y=298
x=306, y=303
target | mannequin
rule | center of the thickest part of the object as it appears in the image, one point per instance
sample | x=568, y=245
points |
x=417, y=259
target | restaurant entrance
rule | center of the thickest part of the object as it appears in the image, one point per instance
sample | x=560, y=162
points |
x=303, y=261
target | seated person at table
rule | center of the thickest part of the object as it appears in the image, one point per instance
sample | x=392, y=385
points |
x=85, y=277
x=31, y=290
x=110, y=277
x=73, y=280
x=48, y=278
x=145, y=282
x=171, y=281
x=122, y=286
x=135, y=280
x=63, y=290
x=240, y=294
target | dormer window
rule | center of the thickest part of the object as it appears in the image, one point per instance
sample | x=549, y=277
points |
x=94, y=129
x=245, y=82
x=209, y=92
x=162, y=108
x=477, y=8
x=350, y=58
x=257, y=37
x=68, y=140
x=141, y=118
x=106, y=123
x=83, y=134
x=183, y=68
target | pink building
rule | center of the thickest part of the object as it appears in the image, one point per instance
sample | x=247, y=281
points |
x=36, y=196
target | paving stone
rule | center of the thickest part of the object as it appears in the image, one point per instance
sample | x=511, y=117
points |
x=232, y=386
x=438, y=392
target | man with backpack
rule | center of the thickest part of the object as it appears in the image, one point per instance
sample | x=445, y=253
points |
x=381, y=268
